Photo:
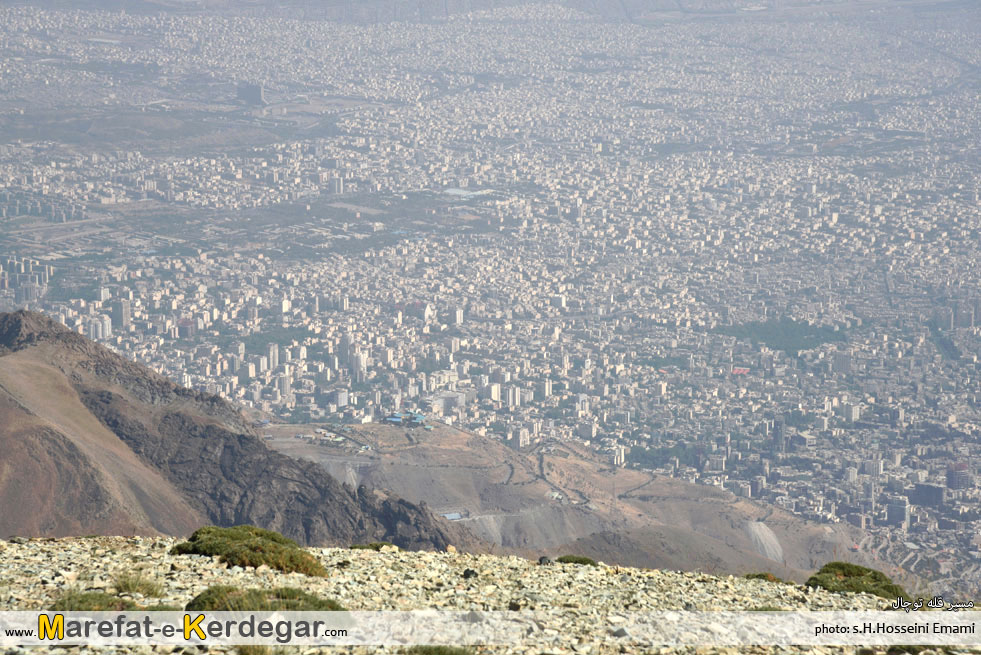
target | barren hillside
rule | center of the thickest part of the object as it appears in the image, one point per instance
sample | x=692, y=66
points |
x=562, y=498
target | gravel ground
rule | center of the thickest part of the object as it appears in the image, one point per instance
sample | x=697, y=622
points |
x=579, y=600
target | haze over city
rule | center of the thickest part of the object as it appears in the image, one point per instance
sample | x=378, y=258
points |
x=730, y=243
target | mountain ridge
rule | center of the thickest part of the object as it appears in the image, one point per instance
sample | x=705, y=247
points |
x=98, y=443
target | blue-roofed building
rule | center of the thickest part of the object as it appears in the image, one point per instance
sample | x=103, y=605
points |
x=412, y=419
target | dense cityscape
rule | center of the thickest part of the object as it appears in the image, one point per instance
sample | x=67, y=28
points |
x=668, y=241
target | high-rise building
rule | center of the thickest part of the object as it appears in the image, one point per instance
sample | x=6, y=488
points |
x=359, y=363
x=519, y=438
x=897, y=512
x=253, y=94
x=272, y=354
x=122, y=315
x=27, y=293
x=959, y=477
x=874, y=467
x=928, y=495
x=186, y=328
x=246, y=372
x=852, y=412
x=964, y=316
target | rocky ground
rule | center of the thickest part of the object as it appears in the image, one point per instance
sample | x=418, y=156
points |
x=579, y=599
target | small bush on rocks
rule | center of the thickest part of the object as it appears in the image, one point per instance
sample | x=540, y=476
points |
x=137, y=583
x=253, y=649
x=74, y=600
x=768, y=577
x=375, y=545
x=844, y=576
x=438, y=650
x=249, y=546
x=577, y=559
x=92, y=601
x=224, y=598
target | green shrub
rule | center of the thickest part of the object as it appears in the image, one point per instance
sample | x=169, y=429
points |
x=246, y=545
x=438, y=650
x=223, y=598
x=577, y=559
x=766, y=608
x=844, y=576
x=162, y=607
x=253, y=649
x=130, y=583
x=768, y=577
x=92, y=601
x=213, y=533
x=374, y=545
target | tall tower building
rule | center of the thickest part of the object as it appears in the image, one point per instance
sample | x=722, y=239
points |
x=253, y=94
x=122, y=315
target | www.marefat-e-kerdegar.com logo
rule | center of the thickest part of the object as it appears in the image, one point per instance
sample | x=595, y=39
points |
x=301, y=628
x=224, y=628
x=53, y=627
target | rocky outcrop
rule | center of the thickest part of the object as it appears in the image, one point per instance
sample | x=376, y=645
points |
x=236, y=479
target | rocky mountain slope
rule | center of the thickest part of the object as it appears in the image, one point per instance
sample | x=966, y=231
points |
x=562, y=498
x=91, y=443
x=578, y=608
